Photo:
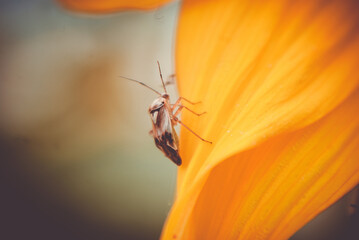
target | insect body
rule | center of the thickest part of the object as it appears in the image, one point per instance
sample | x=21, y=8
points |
x=164, y=118
x=163, y=128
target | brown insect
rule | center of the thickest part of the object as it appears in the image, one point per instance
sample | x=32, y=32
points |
x=164, y=117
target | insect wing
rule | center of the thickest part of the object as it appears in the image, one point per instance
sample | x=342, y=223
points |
x=164, y=134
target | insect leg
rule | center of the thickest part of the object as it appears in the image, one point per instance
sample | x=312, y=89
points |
x=193, y=103
x=204, y=140
x=178, y=102
x=179, y=109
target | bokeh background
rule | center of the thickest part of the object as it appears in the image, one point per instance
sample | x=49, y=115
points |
x=76, y=160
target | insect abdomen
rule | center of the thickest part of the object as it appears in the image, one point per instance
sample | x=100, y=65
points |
x=169, y=151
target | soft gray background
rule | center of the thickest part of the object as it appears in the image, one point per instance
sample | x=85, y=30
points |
x=76, y=158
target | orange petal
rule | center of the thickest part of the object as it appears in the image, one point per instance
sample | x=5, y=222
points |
x=104, y=6
x=264, y=70
x=270, y=191
x=260, y=69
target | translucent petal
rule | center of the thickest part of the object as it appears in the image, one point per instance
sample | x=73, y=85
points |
x=269, y=74
x=260, y=69
x=104, y=6
x=273, y=189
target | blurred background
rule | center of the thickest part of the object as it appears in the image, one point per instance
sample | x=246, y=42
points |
x=76, y=160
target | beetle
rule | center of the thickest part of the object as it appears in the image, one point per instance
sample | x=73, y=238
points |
x=164, y=116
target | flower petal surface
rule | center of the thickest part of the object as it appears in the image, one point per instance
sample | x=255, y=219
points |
x=105, y=6
x=273, y=189
x=274, y=78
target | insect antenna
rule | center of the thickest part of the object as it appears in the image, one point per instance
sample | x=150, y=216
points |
x=163, y=84
x=141, y=84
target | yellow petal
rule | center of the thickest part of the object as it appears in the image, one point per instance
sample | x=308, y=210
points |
x=261, y=68
x=269, y=74
x=272, y=190
x=103, y=6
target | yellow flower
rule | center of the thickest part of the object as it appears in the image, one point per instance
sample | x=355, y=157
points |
x=279, y=81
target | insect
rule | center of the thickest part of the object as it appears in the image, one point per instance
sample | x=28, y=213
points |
x=164, y=116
